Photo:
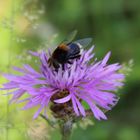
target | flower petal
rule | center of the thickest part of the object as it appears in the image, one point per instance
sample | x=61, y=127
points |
x=104, y=61
x=75, y=106
x=63, y=100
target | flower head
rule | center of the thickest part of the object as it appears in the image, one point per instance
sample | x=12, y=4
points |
x=83, y=81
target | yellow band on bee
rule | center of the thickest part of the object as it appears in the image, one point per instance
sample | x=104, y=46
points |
x=63, y=47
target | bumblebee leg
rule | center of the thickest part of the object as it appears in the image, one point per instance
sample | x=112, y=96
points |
x=63, y=67
x=73, y=57
x=69, y=62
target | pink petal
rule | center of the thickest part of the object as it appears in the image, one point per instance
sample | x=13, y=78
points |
x=38, y=112
x=97, y=112
x=75, y=106
x=104, y=61
x=63, y=100
x=81, y=108
x=34, y=53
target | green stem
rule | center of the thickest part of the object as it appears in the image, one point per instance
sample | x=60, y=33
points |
x=66, y=129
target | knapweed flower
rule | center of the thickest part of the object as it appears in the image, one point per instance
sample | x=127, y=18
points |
x=85, y=81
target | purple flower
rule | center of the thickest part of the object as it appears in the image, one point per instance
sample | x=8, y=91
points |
x=82, y=82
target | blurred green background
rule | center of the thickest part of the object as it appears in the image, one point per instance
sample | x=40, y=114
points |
x=33, y=24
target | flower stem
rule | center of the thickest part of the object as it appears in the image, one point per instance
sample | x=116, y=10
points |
x=66, y=129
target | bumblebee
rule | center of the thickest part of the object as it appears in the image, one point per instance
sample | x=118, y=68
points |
x=67, y=51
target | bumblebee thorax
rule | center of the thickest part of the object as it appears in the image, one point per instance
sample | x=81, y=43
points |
x=63, y=47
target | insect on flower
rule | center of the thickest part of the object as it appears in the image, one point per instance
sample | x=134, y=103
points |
x=66, y=91
x=68, y=50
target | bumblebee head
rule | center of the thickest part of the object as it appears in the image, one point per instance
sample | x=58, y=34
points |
x=53, y=63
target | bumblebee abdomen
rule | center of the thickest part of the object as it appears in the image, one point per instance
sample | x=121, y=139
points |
x=60, y=55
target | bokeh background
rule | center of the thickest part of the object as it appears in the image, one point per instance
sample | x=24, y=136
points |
x=33, y=24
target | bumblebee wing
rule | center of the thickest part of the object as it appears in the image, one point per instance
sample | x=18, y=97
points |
x=84, y=42
x=70, y=37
